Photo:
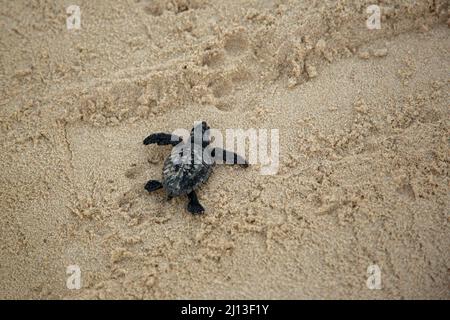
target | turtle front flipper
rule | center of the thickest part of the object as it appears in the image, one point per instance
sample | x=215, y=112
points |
x=194, y=205
x=162, y=139
x=153, y=185
x=228, y=157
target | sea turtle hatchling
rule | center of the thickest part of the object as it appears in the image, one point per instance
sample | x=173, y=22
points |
x=187, y=166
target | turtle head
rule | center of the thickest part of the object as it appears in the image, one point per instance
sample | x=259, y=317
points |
x=200, y=134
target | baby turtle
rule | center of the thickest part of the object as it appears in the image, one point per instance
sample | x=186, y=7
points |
x=188, y=165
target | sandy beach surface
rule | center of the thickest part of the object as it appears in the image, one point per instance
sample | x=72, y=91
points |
x=364, y=126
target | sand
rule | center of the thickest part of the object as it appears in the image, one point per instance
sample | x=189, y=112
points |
x=363, y=117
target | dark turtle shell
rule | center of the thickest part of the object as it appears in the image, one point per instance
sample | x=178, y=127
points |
x=181, y=175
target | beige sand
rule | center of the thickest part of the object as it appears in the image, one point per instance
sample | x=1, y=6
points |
x=364, y=128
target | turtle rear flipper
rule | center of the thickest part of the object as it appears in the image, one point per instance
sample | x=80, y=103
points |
x=194, y=205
